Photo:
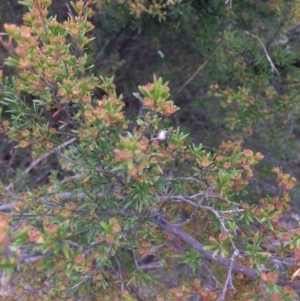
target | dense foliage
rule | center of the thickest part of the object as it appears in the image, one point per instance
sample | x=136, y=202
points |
x=105, y=196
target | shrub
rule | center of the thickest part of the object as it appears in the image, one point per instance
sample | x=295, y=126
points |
x=126, y=196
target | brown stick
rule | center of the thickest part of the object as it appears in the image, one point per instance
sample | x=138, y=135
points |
x=226, y=262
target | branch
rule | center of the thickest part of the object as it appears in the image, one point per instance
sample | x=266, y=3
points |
x=230, y=3
x=38, y=160
x=228, y=279
x=273, y=68
x=199, y=206
x=225, y=262
x=111, y=173
x=29, y=259
x=120, y=274
x=7, y=206
x=84, y=279
x=211, y=273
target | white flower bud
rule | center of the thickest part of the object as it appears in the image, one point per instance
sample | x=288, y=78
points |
x=163, y=135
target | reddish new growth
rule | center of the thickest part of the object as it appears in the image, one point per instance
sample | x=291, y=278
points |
x=269, y=277
x=160, y=104
x=79, y=259
x=34, y=235
x=116, y=227
x=52, y=228
x=4, y=228
x=39, y=65
x=108, y=110
x=122, y=155
x=284, y=180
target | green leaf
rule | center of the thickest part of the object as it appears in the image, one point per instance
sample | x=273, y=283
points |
x=40, y=102
x=26, y=3
x=66, y=250
x=210, y=247
x=216, y=252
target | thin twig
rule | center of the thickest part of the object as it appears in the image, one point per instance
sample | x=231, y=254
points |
x=197, y=71
x=208, y=208
x=30, y=215
x=211, y=273
x=103, y=171
x=193, y=76
x=56, y=149
x=35, y=258
x=195, y=208
x=230, y=3
x=273, y=68
x=135, y=259
x=229, y=277
x=35, y=162
x=7, y=206
x=120, y=274
x=84, y=279
x=187, y=179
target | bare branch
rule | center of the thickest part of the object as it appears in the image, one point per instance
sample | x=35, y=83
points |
x=230, y=3
x=228, y=279
x=120, y=274
x=273, y=68
x=225, y=262
x=35, y=162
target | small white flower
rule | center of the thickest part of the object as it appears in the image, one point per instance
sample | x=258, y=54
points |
x=163, y=135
